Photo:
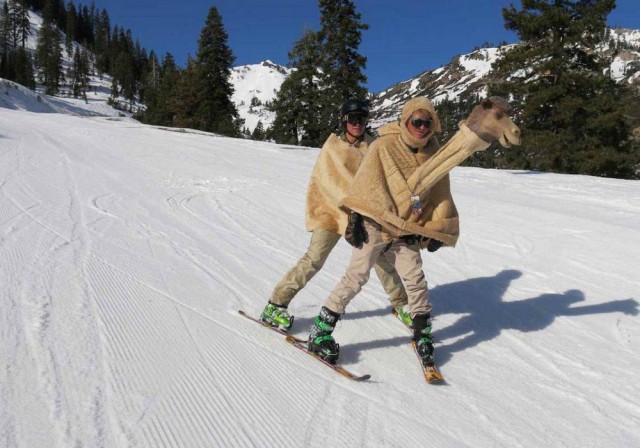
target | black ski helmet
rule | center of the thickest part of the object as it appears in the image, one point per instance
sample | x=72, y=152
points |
x=354, y=105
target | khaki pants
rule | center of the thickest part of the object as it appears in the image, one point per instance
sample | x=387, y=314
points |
x=403, y=257
x=322, y=243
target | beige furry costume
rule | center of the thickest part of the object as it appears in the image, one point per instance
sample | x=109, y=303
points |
x=391, y=173
x=332, y=175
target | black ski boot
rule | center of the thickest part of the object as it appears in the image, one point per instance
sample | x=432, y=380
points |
x=320, y=341
x=422, y=338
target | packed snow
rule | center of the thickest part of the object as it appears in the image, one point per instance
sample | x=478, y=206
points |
x=126, y=251
x=17, y=97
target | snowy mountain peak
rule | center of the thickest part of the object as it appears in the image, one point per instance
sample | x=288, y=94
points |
x=467, y=74
x=255, y=86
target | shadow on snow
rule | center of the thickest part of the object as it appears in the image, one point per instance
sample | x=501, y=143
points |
x=485, y=314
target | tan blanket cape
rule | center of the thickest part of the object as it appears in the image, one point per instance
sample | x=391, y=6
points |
x=390, y=174
x=332, y=175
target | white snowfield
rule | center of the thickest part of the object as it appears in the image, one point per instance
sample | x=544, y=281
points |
x=125, y=251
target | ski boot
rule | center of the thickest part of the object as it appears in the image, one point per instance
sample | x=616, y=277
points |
x=402, y=313
x=321, y=343
x=277, y=316
x=422, y=338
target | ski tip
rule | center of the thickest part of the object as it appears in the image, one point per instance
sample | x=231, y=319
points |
x=432, y=376
x=362, y=378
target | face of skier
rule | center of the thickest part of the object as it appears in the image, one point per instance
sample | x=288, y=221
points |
x=356, y=125
x=419, y=124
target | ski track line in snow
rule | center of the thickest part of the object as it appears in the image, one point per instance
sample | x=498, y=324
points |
x=182, y=204
x=84, y=319
x=182, y=200
x=45, y=338
x=37, y=326
x=229, y=399
x=225, y=356
x=189, y=308
x=220, y=275
x=560, y=382
x=195, y=421
x=88, y=313
x=250, y=232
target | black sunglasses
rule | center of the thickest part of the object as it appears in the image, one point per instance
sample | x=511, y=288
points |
x=357, y=119
x=419, y=122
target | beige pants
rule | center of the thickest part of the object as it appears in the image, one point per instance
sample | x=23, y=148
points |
x=322, y=243
x=403, y=257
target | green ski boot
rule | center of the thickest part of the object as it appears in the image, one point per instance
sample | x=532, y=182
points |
x=277, y=316
x=402, y=312
x=321, y=343
x=422, y=337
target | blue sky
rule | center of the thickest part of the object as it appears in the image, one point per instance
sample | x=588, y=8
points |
x=404, y=38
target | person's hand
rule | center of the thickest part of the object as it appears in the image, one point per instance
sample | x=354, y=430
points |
x=433, y=245
x=356, y=234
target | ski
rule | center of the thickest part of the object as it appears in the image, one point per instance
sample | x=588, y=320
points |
x=302, y=345
x=266, y=325
x=431, y=374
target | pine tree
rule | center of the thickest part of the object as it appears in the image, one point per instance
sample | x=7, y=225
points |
x=70, y=28
x=183, y=104
x=102, y=43
x=6, y=38
x=258, y=133
x=151, y=81
x=158, y=98
x=572, y=114
x=19, y=12
x=79, y=75
x=13, y=24
x=298, y=104
x=49, y=53
x=342, y=65
x=8, y=30
x=59, y=13
x=23, y=68
x=123, y=66
x=216, y=111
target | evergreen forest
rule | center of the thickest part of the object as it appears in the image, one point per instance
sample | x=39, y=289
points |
x=575, y=118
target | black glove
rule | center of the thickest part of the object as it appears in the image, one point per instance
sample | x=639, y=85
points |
x=356, y=233
x=433, y=245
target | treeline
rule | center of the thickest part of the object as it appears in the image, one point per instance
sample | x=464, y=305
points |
x=92, y=45
x=328, y=70
x=574, y=116
x=198, y=96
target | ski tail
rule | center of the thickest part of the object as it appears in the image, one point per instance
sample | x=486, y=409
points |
x=431, y=373
x=336, y=368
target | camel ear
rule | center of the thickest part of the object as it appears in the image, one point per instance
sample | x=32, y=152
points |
x=487, y=103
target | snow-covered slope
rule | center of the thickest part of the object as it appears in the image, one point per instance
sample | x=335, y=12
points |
x=97, y=95
x=254, y=86
x=126, y=249
x=17, y=97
